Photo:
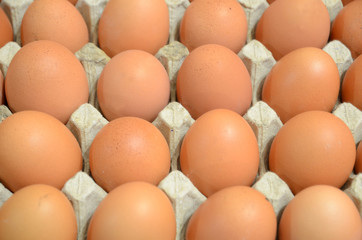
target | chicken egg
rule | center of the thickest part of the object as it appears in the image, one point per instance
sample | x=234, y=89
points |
x=212, y=76
x=35, y=148
x=134, y=210
x=358, y=164
x=39, y=212
x=219, y=150
x=237, y=212
x=351, y=90
x=314, y=147
x=55, y=20
x=136, y=24
x=320, y=212
x=6, y=30
x=2, y=89
x=129, y=149
x=303, y=80
x=288, y=25
x=220, y=22
x=46, y=76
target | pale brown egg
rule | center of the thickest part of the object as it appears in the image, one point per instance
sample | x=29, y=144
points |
x=237, y=212
x=305, y=79
x=218, y=151
x=39, y=212
x=136, y=24
x=55, y=20
x=6, y=30
x=212, y=76
x=133, y=83
x=347, y=27
x=312, y=148
x=352, y=84
x=135, y=210
x=320, y=212
x=2, y=89
x=358, y=164
x=288, y=25
x=129, y=149
x=37, y=148
x=73, y=1
x=46, y=76
x=219, y=22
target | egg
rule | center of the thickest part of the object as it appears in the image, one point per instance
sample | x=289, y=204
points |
x=135, y=210
x=2, y=89
x=39, y=212
x=46, y=76
x=305, y=79
x=129, y=149
x=6, y=30
x=73, y=1
x=347, y=27
x=220, y=22
x=219, y=150
x=314, y=147
x=288, y=25
x=320, y=212
x=37, y=148
x=133, y=83
x=55, y=20
x=237, y=212
x=136, y=24
x=212, y=76
x=351, y=90
x=358, y=164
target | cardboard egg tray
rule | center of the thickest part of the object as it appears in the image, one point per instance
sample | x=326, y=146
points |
x=174, y=120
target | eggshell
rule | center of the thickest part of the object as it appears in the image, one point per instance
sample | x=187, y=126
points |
x=303, y=80
x=133, y=83
x=129, y=149
x=55, y=20
x=288, y=25
x=38, y=212
x=237, y=212
x=37, y=148
x=352, y=84
x=46, y=76
x=314, y=147
x=6, y=30
x=219, y=150
x=73, y=1
x=347, y=27
x=204, y=23
x=136, y=24
x=320, y=212
x=358, y=164
x=2, y=89
x=212, y=76
x=135, y=210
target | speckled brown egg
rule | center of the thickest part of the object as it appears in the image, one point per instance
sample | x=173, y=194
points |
x=6, y=30
x=55, y=20
x=46, y=76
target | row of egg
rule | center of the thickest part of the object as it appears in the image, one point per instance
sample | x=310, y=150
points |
x=208, y=129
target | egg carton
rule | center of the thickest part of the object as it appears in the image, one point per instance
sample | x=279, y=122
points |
x=174, y=120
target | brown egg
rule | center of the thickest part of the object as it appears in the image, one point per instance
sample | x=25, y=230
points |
x=358, y=164
x=55, y=20
x=38, y=212
x=37, y=148
x=345, y=2
x=320, y=212
x=6, y=30
x=221, y=22
x=2, y=89
x=303, y=80
x=136, y=24
x=73, y=1
x=133, y=83
x=212, y=76
x=135, y=210
x=347, y=27
x=46, y=76
x=352, y=84
x=314, y=147
x=237, y=212
x=129, y=149
x=219, y=150
x=288, y=25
